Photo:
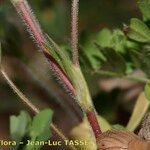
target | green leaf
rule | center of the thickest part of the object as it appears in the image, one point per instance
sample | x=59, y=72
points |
x=117, y=66
x=136, y=57
x=94, y=57
x=139, y=31
x=19, y=126
x=139, y=111
x=147, y=91
x=104, y=37
x=144, y=6
x=118, y=41
x=40, y=128
x=115, y=40
x=41, y=124
x=141, y=59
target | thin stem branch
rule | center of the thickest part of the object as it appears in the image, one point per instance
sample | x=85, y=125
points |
x=31, y=106
x=137, y=78
x=74, y=32
x=19, y=93
x=128, y=76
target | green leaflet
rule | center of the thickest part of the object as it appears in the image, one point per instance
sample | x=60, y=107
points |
x=104, y=37
x=139, y=31
x=144, y=6
x=117, y=66
x=118, y=41
x=115, y=40
x=22, y=127
x=19, y=127
x=40, y=128
x=141, y=59
x=90, y=55
x=40, y=124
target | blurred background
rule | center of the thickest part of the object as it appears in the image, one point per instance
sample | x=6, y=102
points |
x=113, y=98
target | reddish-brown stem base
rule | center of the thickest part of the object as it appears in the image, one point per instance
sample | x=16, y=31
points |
x=91, y=116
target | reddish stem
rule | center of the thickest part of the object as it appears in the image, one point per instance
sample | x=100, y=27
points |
x=60, y=73
x=91, y=116
x=31, y=22
x=36, y=32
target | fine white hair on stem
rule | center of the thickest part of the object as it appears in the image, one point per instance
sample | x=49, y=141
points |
x=74, y=31
x=36, y=33
x=30, y=21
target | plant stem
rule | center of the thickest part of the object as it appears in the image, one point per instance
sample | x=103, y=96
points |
x=136, y=78
x=74, y=32
x=91, y=116
x=59, y=73
x=19, y=93
x=31, y=106
x=128, y=76
x=36, y=33
x=54, y=99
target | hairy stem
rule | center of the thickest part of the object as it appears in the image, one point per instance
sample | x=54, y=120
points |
x=19, y=93
x=54, y=99
x=91, y=116
x=35, y=31
x=31, y=106
x=74, y=32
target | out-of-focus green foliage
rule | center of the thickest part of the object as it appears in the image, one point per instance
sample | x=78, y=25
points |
x=139, y=31
x=22, y=127
x=144, y=6
x=105, y=47
x=19, y=126
x=120, y=51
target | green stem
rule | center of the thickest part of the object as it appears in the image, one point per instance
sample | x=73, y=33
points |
x=129, y=77
x=136, y=78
